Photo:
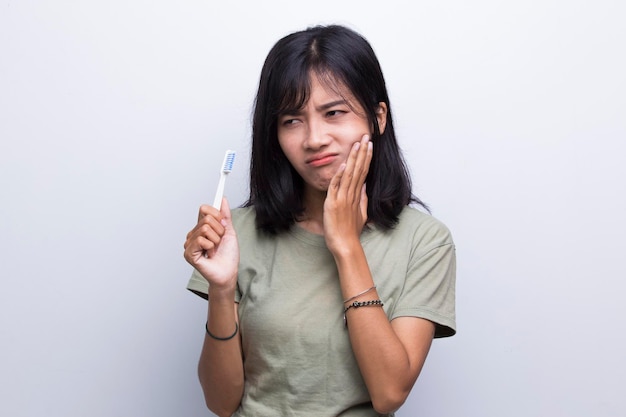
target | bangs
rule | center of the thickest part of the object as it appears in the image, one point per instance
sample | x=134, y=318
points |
x=293, y=93
x=295, y=89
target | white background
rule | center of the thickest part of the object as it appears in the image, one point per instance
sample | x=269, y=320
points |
x=114, y=117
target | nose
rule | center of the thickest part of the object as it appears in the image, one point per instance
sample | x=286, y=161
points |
x=316, y=136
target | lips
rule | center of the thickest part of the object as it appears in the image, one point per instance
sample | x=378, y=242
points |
x=321, y=159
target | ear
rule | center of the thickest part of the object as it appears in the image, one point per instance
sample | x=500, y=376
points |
x=381, y=116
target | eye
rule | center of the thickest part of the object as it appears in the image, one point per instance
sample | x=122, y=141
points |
x=334, y=113
x=288, y=121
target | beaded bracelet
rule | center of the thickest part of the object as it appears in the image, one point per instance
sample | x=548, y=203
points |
x=206, y=327
x=358, y=304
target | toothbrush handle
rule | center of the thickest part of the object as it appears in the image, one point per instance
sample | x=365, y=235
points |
x=217, y=203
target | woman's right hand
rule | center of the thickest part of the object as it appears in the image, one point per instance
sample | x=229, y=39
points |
x=212, y=248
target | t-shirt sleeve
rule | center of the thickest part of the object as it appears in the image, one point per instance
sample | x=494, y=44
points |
x=429, y=289
x=200, y=286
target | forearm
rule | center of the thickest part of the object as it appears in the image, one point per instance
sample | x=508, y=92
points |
x=220, y=368
x=383, y=359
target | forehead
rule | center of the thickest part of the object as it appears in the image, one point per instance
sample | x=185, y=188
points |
x=329, y=84
x=317, y=86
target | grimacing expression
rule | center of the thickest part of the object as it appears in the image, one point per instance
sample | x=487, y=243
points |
x=317, y=138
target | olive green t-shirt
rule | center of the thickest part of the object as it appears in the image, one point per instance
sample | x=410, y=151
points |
x=297, y=355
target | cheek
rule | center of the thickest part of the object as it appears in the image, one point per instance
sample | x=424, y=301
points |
x=288, y=149
x=353, y=134
x=358, y=128
x=283, y=143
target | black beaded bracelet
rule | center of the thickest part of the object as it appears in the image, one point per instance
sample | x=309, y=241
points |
x=358, y=304
x=206, y=327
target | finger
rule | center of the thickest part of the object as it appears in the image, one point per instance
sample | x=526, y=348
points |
x=361, y=166
x=368, y=160
x=206, y=210
x=335, y=181
x=210, y=233
x=348, y=174
x=209, y=229
x=363, y=203
x=211, y=222
x=196, y=247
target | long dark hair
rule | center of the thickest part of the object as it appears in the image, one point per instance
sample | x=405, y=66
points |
x=337, y=53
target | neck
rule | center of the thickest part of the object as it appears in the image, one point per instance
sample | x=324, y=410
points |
x=313, y=218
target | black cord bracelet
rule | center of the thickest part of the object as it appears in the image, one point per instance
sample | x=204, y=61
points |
x=206, y=327
x=358, y=304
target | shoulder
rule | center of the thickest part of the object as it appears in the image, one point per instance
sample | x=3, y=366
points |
x=243, y=218
x=416, y=234
x=244, y=222
x=423, y=225
x=424, y=231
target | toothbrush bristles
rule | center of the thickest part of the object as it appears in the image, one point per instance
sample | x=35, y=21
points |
x=229, y=160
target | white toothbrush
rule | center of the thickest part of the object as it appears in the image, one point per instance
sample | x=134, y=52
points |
x=227, y=167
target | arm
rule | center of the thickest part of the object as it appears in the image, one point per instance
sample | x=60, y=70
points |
x=220, y=368
x=212, y=249
x=390, y=355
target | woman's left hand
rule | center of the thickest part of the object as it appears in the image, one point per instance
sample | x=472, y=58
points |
x=345, y=208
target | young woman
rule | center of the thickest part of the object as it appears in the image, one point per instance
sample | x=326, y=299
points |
x=326, y=289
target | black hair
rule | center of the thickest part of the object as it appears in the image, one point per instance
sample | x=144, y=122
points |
x=333, y=53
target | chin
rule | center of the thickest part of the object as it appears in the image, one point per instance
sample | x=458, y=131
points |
x=324, y=185
x=321, y=186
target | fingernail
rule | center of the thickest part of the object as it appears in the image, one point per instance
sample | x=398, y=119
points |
x=370, y=145
x=357, y=145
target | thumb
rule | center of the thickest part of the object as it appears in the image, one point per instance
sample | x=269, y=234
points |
x=225, y=210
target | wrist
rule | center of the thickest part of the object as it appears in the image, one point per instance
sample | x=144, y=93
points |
x=345, y=249
x=222, y=292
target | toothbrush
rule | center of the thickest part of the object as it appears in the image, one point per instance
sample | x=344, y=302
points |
x=227, y=167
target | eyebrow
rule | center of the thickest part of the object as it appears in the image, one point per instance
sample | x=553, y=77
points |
x=327, y=106
x=332, y=104
x=323, y=107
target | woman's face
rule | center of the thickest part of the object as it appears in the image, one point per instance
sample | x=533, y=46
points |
x=317, y=138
